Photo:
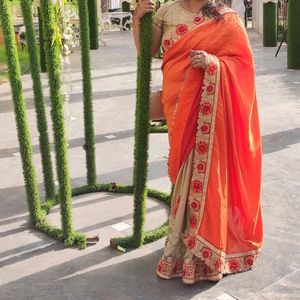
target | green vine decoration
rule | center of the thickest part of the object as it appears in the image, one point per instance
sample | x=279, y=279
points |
x=141, y=137
x=93, y=23
x=293, y=34
x=33, y=198
x=41, y=40
x=38, y=100
x=53, y=60
x=87, y=93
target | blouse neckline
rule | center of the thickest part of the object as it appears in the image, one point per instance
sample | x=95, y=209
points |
x=188, y=9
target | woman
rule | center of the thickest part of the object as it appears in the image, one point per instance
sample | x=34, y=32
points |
x=209, y=102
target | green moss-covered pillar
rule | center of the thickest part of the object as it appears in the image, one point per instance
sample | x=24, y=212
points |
x=38, y=100
x=33, y=197
x=93, y=21
x=270, y=24
x=294, y=34
x=142, y=130
x=41, y=39
x=89, y=133
x=53, y=59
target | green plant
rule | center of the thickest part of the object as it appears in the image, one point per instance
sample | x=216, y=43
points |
x=294, y=34
x=93, y=23
x=87, y=93
x=270, y=24
x=38, y=100
x=142, y=129
x=33, y=198
x=52, y=49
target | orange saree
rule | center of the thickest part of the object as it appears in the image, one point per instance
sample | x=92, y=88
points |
x=215, y=223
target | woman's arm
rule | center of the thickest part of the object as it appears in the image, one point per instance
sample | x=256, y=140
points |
x=144, y=7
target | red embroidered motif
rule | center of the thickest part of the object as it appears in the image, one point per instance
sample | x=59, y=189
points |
x=201, y=167
x=198, y=20
x=168, y=43
x=249, y=260
x=206, y=108
x=197, y=186
x=193, y=221
x=234, y=265
x=206, y=252
x=195, y=204
x=181, y=29
x=211, y=69
x=202, y=147
x=161, y=267
x=205, y=128
x=191, y=243
x=218, y=264
x=210, y=88
x=187, y=270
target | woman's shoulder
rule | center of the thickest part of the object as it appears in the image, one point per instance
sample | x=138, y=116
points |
x=168, y=6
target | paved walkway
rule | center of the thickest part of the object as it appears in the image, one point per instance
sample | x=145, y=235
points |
x=36, y=267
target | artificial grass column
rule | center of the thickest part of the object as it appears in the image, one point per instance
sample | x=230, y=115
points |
x=41, y=39
x=294, y=34
x=270, y=24
x=93, y=23
x=87, y=93
x=33, y=198
x=53, y=60
x=38, y=100
x=142, y=130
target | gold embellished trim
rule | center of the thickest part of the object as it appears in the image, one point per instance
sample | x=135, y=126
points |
x=206, y=265
x=204, y=145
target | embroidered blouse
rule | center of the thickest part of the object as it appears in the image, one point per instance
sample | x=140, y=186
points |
x=176, y=20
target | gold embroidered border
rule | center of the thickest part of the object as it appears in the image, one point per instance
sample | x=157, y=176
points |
x=204, y=144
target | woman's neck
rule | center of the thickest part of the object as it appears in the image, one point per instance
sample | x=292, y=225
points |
x=194, y=5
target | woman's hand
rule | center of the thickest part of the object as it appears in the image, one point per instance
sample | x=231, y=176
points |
x=143, y=7
x=199, y=59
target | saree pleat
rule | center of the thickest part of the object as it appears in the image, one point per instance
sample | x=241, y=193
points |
x=215, y=223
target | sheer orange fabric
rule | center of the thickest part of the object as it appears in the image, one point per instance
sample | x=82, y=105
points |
x=213, y=121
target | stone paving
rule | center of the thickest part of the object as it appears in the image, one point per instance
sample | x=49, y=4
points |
x=34, y=266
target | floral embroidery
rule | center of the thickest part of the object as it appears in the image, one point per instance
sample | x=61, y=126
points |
x=193, y=221
x=198, y=20
x=168, y=43
x=205, y=128
x=218, y=264
x=211, y=69
x=206, y=252
x=234, y=265
x=162, y=266
x=206, y=108
x=191, y=242
x=249, y=260
x=201, y=167
x=210, y=89
x=197, y=186
x=195, y=204
x=181, y=29
x=202, y=147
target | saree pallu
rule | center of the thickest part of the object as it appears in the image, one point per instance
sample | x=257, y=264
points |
x=215, y=223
